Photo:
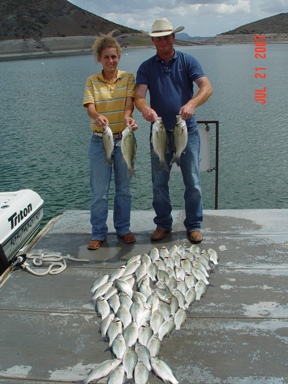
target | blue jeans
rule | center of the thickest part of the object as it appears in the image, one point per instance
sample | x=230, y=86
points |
x=190, y=168
x=100, y=177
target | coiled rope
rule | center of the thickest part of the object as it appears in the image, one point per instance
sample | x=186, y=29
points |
x=57, y=263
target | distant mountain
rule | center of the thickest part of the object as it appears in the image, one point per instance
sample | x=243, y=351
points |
x=272, y=24
x=186, y=37
x=36, y=19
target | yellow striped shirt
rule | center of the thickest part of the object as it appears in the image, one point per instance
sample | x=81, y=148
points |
x=109, y=99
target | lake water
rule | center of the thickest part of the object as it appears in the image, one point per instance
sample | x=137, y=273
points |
x=45, y=134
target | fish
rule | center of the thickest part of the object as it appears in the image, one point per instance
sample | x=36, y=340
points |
x=179, y=318
x=144, y=334
x=200, y=275
x=200, y=289
x=117, y=376
x=186, y=265
x=180, y=138
x=163, y=371
x=180, y=273
x=108, y=143
x=141, y=271
x=133, y=259
x=130, y=280
x=141, y=373
x=154, y=254
x=213, y=255
x=138, y=296
x=161, y=276
x=114, y=329
x=125, y=299
x=163, y=294
x=144, y=315
x=98, y=282
x=156, y=321
x=203, y=260
x=182, y=286
x=195, y=249
x=141, y=303
x=118, y=346
x=180, y=297
x=102, y=290
x=153, y=300
x=131, y=334
x=105, y=324
x=166, y=328
x=114, y=302
x=171, y=282
x=146, y=259
x=154, y=345
x=110, y=292
x=117, y=273
x=123, y=286
x=160, y=142
x=164, y=309
x=190, y=280
x=174, y=305
x=102, y=307
x=143, y=354
x=169, y=262
x=102, y=370
x=128, y=148
x=190, y=296
x=130, y=359
x=189, y=255
x=152, y=271
x=173, y=249
x=145, y=289
x=135, y=308
x=197, y=264
x=163, y=252
x=131, y=267
x=124, y=315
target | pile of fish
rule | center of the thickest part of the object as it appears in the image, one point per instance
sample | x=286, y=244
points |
x=127, y=143
x=160, y=141
x=142, y=302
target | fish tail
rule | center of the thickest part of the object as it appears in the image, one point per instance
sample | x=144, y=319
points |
x=164, y=165
x=131, y=172
x=176, y=160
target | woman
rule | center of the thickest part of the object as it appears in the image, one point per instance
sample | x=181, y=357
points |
x=109, y=97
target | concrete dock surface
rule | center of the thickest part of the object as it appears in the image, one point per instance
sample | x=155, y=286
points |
x=237, y=333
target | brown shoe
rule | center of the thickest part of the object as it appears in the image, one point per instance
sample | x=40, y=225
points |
x=94, y=244
x=159, y=234
x=128, y=238
x=195, y=237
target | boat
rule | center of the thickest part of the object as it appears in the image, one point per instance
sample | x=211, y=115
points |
x=21, y=213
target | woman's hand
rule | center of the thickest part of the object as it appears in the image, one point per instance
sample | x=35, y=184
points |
x=101, y=121
x=131, y=122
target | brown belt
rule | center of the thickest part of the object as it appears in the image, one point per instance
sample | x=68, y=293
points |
x=117, y=135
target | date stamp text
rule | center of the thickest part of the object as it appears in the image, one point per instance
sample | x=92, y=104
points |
x=260, y=53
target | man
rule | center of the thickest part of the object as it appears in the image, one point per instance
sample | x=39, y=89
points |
x=169, y=77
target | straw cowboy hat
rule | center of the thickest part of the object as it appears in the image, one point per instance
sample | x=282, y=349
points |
x=163, y=27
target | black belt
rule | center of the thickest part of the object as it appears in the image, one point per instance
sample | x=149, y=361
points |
x=117, y=135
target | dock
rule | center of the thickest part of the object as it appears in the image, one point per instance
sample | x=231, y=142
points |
x=237, y=333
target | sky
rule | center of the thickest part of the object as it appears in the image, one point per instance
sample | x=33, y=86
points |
x=199, y=17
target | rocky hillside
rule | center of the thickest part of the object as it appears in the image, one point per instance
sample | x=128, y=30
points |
x=275, y=24
x=37, y=19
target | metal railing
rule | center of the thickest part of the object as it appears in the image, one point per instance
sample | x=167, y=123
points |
x=216, y=168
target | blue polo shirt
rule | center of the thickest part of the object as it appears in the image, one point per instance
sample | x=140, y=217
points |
x=170, y=85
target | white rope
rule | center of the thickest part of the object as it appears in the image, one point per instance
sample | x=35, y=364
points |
x=57, y=263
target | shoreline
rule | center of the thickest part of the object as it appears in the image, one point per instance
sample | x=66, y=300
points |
x=12, y=50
